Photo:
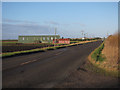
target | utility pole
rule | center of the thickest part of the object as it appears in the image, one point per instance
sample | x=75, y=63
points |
x=93, y=35
x=55, y=30
x=107, y=34
x=55, y=36
x=86, y=35
x=82, y=33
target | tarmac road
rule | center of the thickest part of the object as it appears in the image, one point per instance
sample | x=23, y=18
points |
x=44, y=69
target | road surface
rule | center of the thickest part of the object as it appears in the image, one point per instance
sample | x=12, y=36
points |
x=44, y=69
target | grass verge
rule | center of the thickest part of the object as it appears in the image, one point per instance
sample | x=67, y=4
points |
x=97, y=55
x=96, y=59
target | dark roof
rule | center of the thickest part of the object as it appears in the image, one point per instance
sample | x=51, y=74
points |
x=36, y=35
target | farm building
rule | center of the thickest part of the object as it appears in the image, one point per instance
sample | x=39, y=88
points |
x=64, y=41
x=37, y=39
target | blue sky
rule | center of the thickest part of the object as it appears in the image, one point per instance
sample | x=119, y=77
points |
x=70, y=18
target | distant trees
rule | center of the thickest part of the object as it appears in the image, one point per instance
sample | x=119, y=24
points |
x=86, y=39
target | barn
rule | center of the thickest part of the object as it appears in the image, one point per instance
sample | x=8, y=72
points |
x=61, y=41
x=37, y=38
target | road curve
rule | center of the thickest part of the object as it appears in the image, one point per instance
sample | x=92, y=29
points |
x=44, y=69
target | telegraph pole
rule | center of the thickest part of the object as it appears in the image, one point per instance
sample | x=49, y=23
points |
x=82, y=33
x=107, y=34
x=55, y=30
x=55, y=36
x=86, y=35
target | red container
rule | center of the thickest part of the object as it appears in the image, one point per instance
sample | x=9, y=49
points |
x=61, y=41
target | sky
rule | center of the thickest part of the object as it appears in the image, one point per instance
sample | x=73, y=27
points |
x=96, y=19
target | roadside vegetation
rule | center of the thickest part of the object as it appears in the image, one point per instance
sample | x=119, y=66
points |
x=97, y=55
x=105, y=57
x=86, y=39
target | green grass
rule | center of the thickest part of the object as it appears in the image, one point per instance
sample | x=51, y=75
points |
x=97, y=55
x=8, y=42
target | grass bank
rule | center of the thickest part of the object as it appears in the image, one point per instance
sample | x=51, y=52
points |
x=97, y=59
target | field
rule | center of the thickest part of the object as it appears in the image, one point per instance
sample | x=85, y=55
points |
x=12, y=46
x=9, y=41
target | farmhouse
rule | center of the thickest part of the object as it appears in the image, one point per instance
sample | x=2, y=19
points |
x=37, y=39
x=64, y=41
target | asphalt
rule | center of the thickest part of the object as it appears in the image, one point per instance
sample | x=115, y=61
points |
x=44, y=69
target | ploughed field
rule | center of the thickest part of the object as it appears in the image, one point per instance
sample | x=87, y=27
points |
x=12, y=47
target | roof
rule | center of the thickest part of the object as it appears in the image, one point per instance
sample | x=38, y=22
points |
x=36, y=35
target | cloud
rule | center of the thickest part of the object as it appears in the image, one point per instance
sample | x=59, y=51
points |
x=17, y=21
x=52, y=22
x=55, y=23
x=66, y=24
x=11, y=31
x=81, y=24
